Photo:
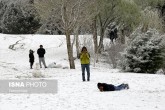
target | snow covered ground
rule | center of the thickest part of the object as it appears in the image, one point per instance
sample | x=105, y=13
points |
x=147, y=91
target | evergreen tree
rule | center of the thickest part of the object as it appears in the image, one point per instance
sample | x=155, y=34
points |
x=19, y=19
x=145, y=53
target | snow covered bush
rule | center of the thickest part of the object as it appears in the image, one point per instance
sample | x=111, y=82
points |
x=145, y=53
x=19, y=18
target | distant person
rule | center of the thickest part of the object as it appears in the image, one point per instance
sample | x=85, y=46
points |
x=41, y=52
x=85, y=63
x=110, y=87
x=113, y=35
x=31, y=58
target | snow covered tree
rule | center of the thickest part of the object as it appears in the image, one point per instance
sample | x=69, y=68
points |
x=3, y=6
x=19, y=18
x=145, y=53
x=150, y=14
x=145, y=3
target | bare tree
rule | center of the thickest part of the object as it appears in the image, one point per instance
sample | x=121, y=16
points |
x=122, y=12
x=95, y=39
x=70, y=12
x=88, y=12
x=105, y=16
x=94, y=31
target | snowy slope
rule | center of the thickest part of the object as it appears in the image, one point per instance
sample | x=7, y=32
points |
x=147, y=91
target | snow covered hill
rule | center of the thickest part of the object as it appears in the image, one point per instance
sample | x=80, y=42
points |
x=147, y=91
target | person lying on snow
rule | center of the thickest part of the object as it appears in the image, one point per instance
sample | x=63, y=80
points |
x=110, y=87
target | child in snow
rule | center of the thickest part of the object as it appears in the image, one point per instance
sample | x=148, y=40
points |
x=85, y=63
x=110, y=87
x=31, y=58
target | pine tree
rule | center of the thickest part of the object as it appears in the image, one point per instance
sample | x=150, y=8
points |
x=19, y=19
x=145, y=53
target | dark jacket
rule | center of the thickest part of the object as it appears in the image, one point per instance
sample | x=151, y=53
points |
x=41, y=52
x=108, y=87
x=31, y=57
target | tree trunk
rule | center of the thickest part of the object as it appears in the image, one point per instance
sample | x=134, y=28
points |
x=70, y=51
x=73, y=42
x=76, y=32
x=101, y=46
x=122, y=37
x=95, y=41
x=94, y=29
x=77, y=47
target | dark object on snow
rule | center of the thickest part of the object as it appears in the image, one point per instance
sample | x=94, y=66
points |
x=31, y=58
x=110, y=87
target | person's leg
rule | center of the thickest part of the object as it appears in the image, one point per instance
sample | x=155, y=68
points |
x=88, y=72
x=40, y=60
x=43, y=61
x=30, y=65
x=126, y=86
x=121, y=87
x=83, y=71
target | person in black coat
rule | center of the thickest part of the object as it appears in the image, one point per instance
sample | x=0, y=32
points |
x=41, y=52
x=110, y=87
x=31, y=58
x=111, y=35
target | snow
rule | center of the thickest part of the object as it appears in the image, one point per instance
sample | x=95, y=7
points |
x=147, y=91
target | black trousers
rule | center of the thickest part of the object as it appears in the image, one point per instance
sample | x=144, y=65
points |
x=31, y=64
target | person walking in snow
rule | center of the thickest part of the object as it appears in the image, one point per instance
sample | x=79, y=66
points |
x=110, y=87
x=41, y=52
x=31, y=58
x=85, y=63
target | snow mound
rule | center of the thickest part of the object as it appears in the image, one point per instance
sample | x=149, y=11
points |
x=55, y=65
x=36, y=72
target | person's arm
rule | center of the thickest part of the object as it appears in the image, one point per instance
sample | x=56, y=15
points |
x=88, y=55
x=38, y=51
x=81, y=55
x=33, y=56
x=44, y=51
